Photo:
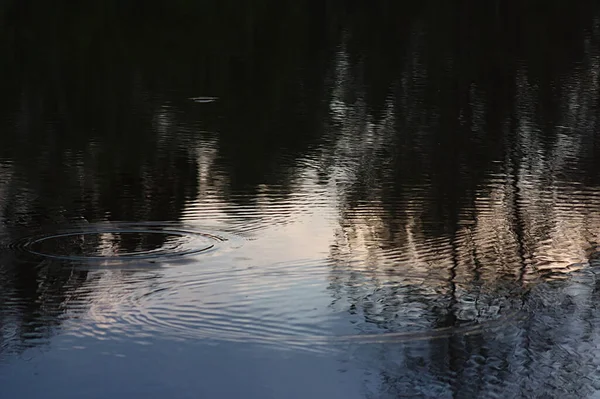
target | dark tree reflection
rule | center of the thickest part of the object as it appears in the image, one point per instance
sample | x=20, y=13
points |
x=98, y=125
x=458, y=141
x=472, y=181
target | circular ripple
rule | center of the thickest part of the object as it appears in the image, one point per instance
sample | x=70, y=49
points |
x=269, y=307
x=123, y=242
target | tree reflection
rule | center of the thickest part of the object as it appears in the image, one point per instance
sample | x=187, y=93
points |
x=97, y=124
x=459, y=140
x=481, y=193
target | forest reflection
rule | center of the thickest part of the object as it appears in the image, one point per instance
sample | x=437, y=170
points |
x=462, y=159
x=475, y=173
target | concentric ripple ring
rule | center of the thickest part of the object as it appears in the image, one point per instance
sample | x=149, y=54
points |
x=122, y=242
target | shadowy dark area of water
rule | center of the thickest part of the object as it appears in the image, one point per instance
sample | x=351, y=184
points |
x=294, y=199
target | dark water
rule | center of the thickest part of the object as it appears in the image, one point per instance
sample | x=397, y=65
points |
x=299, y=199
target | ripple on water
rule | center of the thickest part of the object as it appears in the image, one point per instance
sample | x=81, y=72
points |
x=122, y=243
x=274, y=306
x=286, y=305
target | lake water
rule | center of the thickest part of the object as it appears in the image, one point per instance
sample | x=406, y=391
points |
x=299, y=199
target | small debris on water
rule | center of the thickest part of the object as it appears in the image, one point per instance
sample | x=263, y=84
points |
x=204, y=99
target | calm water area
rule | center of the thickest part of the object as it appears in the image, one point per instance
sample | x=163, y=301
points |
x=299, y=199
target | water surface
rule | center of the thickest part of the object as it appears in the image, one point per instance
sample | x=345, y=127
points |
x=299, y=199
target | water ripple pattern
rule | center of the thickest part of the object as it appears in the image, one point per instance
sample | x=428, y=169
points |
x=270, y=306
x=125, y=242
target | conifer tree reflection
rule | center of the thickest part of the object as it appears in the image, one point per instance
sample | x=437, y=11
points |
x=479, y=135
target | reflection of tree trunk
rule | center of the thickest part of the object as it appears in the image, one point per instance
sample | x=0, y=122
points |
x=515, y=157
x=453, y=341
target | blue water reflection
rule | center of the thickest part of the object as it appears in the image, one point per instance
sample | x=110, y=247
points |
x=299, y=200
